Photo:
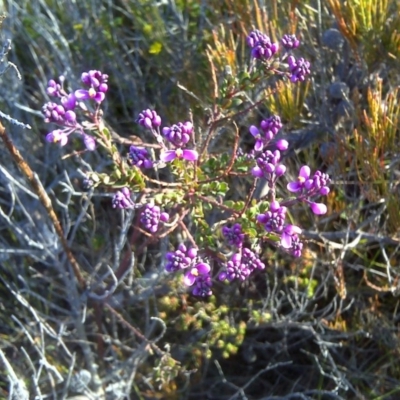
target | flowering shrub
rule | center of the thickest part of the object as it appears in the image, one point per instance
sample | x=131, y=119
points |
x=200, y=181
x=177, y=245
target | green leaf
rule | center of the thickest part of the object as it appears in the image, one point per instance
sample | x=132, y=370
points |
x=229, y=203
x=106, y=133
x=238, y=205
x=252, y=232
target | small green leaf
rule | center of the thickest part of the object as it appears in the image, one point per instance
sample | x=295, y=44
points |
x=106, y=133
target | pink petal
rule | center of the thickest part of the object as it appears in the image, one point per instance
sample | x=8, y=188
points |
x=168, y=155
x=291, y=229
x=254, y=130
x=190, y=155
x=293, y=187
x=286, y=240
x=280, y=170
x=305, y=171
x=189, y=279
x=82, y=94
x=257, y=172
x=259, y=145
x=318, y=208
x=90, y=142
x=282, y=144
x=99, y=97
x=203, y=268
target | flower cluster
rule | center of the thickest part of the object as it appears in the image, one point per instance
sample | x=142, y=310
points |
x=307, y=186
x=290, y=240
x=263, y=49
x=290, y=42
x=274, y=219
x=269, y=167
x=139, y=157
x=149, y=119
x=97, y=83
x=197, y=271
x=241, y=266
x=267, y=131
x=64, y=114
x=262, y=46
x=151, y=217
x=234, y=235
x=122, y=199
x=299, y=69
x=178, y=136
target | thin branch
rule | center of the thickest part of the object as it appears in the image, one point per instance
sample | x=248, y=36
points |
x=44, y=199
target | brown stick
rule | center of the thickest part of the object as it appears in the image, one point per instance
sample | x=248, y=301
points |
x=44, y=199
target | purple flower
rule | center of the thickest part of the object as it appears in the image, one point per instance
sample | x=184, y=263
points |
x=53, y=112
x=169, y=155
x=70, y=118
x=234, y=235
x=90, y=94
x=95, y=79
x=180, y=259
x=139, y=157
x=271, y=126
x=58, y=136
x=274, y=219
x=251, y=260
x=64, y=115
x=54, y=88
x=69, y=101
x=282, y=144
x=298, y=69
x=318, y=184
x=191, y=276
x=149, y=119
x=259, y=145
x=298, y=185
x=280, y=170
x=61, y=136
x=235, y=269
x=97, y=83
x=122, y=199
x=56, y=113
x=268, y=166
x=178, y=134
x=287, y=235
x=202, y=286
x=268, y=129
x=307, y=187
x=294, y=246
x=318, y=208
x=262, y=47
x=89, y=142
x=290, y=42
x=253, y=38
x=151, y=217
